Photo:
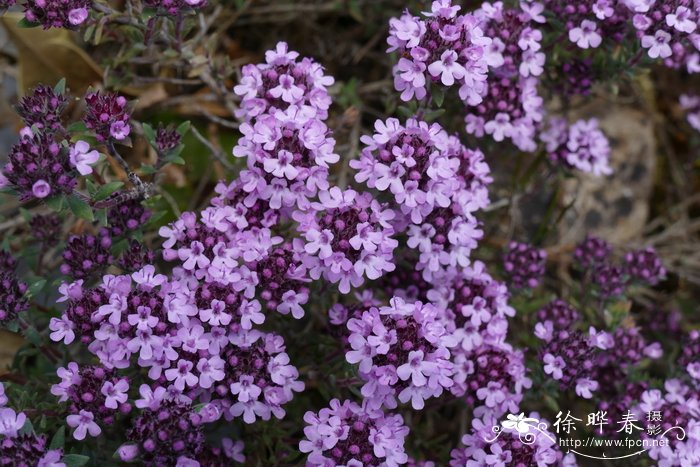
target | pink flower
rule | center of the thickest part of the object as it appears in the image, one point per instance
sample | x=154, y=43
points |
x=681, y=20
x=83, y=423
x=115, y=394
x=62, y=330
x=77, y=16
x=554, y=366
x=119, y=130
x=11, y=422
x=41, y=189
x=658, y=44
x=586, y=35
x=82, y=158
x=150, y=399
x=416, y=368
x=287, y=90
x=447, y=68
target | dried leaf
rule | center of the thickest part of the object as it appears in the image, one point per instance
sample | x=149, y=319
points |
x=46, y=56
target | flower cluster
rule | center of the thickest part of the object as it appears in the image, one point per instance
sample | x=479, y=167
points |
x=288, y=154
x=93, y=393
x=572, y=358
x=401, y=349
x=57, y=13
x=524, y=265
x=347, y=236
x=581, y=145
x=283, y=81
x=444, y=47
x=87, y=254
x=592, y=252
x=44, y=163
x=690, y=351
x=588, y=22
x=28, y=449
x=164, y=434
x=510, y=107
x=12, y=291
x=127, y=216
x=678, y=406
x=46, y=228
x=349, y=434
x=43, y=108
x=174, y=7
x=666, y=30
x=691, y=104
x=107, y=115
x=644, y=265
x=526, y=441
x=38, y=167
x=420, y=164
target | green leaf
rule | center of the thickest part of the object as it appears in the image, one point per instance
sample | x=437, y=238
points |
x=148, y=169
x=75, y=460
x=32, y=336
x=438, y=96
x=91, y=187
x=27, y=428
x=56, y=203
x=26, y=215
x=183, y=128
x=60, y=87
x=176, y=160
x=149, y=133
x=80, y=208
x=107, y=189
x=25, y=23
x=36, y=287
x=77, y=127
x=59, y=439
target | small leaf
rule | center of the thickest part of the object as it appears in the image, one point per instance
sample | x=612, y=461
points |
x=75, y=460
x=107, y=189
x=60, y=87
x=32, y=336
x=59, y=439
x=27, y=428
x=183, y=128
x=77, y=127
x=438, y=96
x=91, y=187
x=36, y=287
x=148, y=169
x=80, y=208
x=26, y=215
x=25, y=23
x=56, y=202
x=149, y=133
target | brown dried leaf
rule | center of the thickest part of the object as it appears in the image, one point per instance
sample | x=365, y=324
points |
x=9, y=344
x=46, y=56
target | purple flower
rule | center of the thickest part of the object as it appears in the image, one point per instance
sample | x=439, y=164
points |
x=401, y=342
x=57, y=13
x=43, y=108
x=38, y=166
x=644, y=265
x=586, y=35
x=658, y=44
x=83, y=424
x=164, y=434
x=281, y=82
x=82, y=158
x=11, y=422
x=115, y=394
x=524, y=264
x=349, y=434
x=12, y=295
x=448, y=48
x=86, y=254
x=508, y=448
x=107, y=116
x=332, y=243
